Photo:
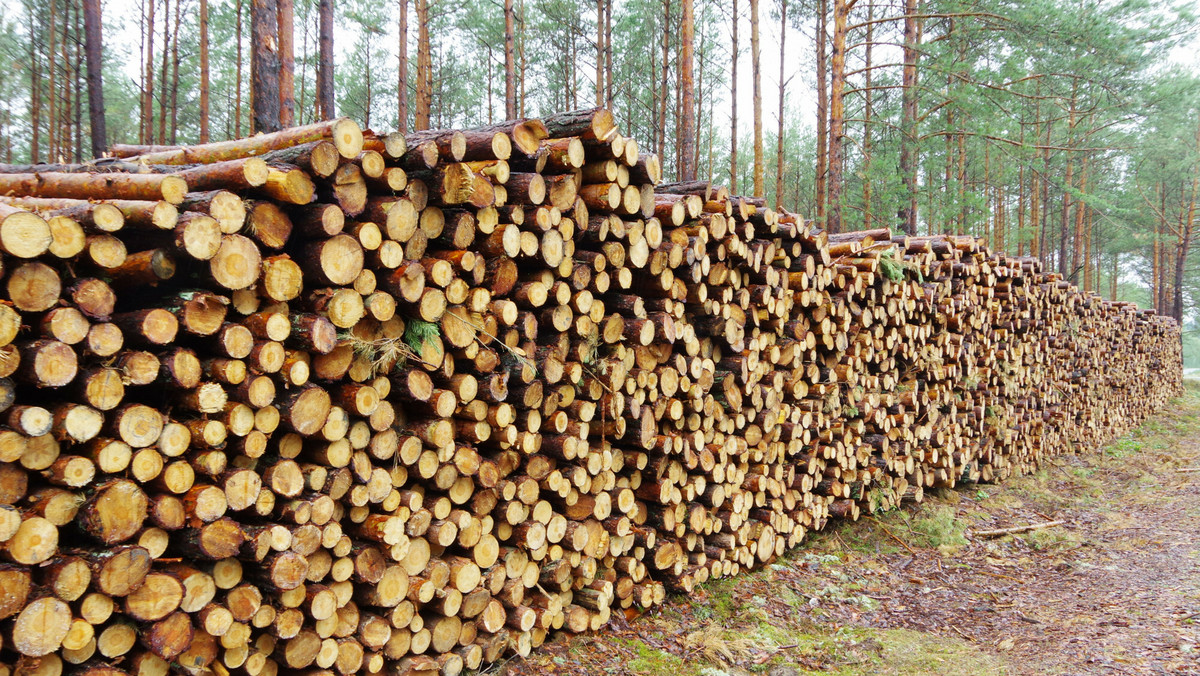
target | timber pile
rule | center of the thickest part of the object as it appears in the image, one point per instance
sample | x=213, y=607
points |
x=327, y=402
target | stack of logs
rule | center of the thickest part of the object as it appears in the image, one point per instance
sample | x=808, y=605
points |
x=326, y=402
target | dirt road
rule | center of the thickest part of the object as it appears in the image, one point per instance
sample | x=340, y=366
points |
x=1114, y=589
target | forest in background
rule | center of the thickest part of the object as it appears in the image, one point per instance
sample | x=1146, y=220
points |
x=1051, y=128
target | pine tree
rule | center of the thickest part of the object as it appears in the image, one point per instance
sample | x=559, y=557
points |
x=756, y=74
x=95, y=76
x=204, y=76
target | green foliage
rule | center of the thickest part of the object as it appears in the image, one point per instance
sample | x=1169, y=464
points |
x=366, y=84
x=649, y=660
x=1053, y=539
x=417, y=331
x=892, y=269
x=1123, y=448
x=938, y=526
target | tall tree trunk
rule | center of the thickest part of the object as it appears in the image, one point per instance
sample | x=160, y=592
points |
x=237, y=130
x=368, y=70
x=204, y=71
x=1029, y=188
x=287, y=63
x=608, y=54
x=908, y=125
x=1035, y=223
x=866, y=143
x=837, y=113
x=264, y=68
x=440, y=121
x=931, y=193
x=822, y=168
x=1044, y=199
x=962, y=179
x=148, y=79
x=798, y=192
x=756, y=75
x=663, y=89
x=733, y=124
x=142, y=70
x=302, y=100
x=1064, y=230
x=93, y=35
x=687, y=83
x=1181, y=255
x=599, y=50
x=1165, y=262
x=510, y=62
x=782, y=84
x=572, y=81
x=521, y=55
x=710, y=97
x=402, y=70
x=5, y=120
x=163, y=85
x=997, y=219
x=1078, y=258
x=1188, y=226
x=67, y=115
x=1065, y=265
x=699, y=112
x=1086, y=228
x=1021, y=204
x=52, y=88
x=989, y=209
x=948, y=177
x=1114, y=275
x=1094, y=237
x=35, y=90
x=325, y=62
x=424, y=69
x=678, y=118
x=77, y=80
x=175, y=75
x=7, y=137
x=655, y=129
x=1155, y=260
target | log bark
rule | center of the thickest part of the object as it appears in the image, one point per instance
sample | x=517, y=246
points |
x=165, y=187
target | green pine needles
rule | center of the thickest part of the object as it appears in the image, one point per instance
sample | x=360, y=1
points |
x=417, y=331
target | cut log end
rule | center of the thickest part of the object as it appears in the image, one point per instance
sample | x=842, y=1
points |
x=347, y=137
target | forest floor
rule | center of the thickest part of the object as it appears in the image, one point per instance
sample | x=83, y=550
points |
x=1115, y=589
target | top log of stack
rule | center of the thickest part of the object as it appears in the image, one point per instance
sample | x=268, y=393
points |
x=326, y=402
